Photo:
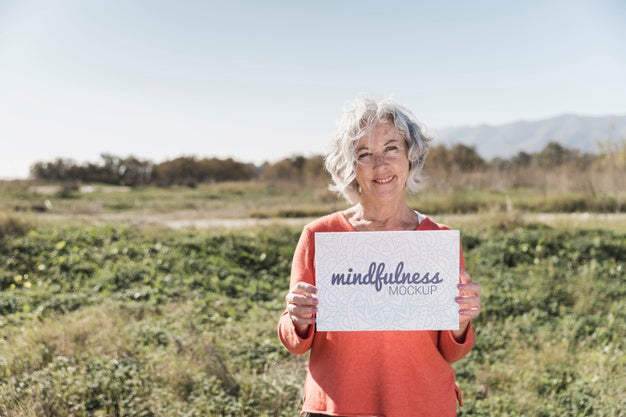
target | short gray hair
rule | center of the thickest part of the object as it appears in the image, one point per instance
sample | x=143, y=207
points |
x=357, y=120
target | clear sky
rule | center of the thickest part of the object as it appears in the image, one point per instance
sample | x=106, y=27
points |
x=263, y=80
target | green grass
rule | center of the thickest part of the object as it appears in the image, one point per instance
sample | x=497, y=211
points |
x=550, y=340
x=234, y=199
x=102, y=318
x=268, y=200
x=111, y=321
x=520, y=199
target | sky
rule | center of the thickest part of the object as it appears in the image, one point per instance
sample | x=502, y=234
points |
x=263, y=80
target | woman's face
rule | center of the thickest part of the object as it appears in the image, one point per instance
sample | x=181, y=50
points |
x=382, y=167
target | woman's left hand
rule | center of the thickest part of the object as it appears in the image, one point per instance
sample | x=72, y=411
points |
x=468, y=299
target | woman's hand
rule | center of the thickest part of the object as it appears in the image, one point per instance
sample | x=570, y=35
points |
x=302, y=306
x=469, y=301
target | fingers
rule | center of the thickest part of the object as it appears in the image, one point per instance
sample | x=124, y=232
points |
x=304, y=288
x=469, y=297
x=302, y=310
x=470, y=312
x=302, y=315
x=302, y=319
x=300, y=300
x=468, y=300
x=467, y=286
x=470, y=305
x=302, y=303
x=464, y=276
x=470, y=288
x=302, y=294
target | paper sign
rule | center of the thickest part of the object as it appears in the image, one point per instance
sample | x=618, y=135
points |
x=387, y=280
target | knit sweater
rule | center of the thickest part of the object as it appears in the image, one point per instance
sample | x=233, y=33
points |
x=373, y=373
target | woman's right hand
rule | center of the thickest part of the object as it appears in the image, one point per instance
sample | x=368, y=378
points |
x=302, y=306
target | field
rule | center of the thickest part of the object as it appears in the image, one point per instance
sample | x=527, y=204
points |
x=164, y=302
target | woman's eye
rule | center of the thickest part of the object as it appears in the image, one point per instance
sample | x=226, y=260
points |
x=391, y=148
x=364, y=155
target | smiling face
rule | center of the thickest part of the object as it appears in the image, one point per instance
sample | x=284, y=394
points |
x=382, y=166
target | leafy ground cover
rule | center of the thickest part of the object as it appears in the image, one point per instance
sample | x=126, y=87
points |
x=118, y=321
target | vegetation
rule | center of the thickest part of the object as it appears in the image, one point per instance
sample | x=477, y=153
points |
x=106, y=312
x=457, y=167
x=132, y=171
x=112, y=321
x=458, y=180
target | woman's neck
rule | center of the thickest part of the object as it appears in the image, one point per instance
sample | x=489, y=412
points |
x=390, y=217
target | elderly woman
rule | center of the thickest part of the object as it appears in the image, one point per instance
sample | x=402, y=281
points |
x=376, y=156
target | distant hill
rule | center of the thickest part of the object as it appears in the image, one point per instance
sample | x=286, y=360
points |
x=570, y=130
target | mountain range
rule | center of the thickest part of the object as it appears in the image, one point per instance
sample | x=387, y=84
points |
x=570, y=130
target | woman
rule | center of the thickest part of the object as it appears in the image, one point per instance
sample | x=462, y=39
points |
x=376, y=156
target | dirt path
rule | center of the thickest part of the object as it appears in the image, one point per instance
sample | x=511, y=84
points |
x=185, y=219
x=172, y=220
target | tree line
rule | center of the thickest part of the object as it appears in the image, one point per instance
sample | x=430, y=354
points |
x=132, y=171
x=187, y=170
x=443, y=163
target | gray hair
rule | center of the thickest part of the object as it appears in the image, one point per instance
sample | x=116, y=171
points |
x=357, y=120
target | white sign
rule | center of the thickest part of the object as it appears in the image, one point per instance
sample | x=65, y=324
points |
x=387, y=280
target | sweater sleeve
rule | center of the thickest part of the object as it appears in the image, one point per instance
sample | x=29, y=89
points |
x=302, y=269
x=452, y=350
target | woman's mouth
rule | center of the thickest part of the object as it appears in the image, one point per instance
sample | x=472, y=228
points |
x=384, y=180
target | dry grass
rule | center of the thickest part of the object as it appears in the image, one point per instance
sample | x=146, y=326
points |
x=92, y=331
x=14, y=225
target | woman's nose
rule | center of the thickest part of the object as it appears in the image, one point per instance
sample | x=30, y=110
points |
x=379, y=159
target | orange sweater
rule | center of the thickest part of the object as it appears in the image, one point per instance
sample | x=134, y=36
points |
x=376, y=373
